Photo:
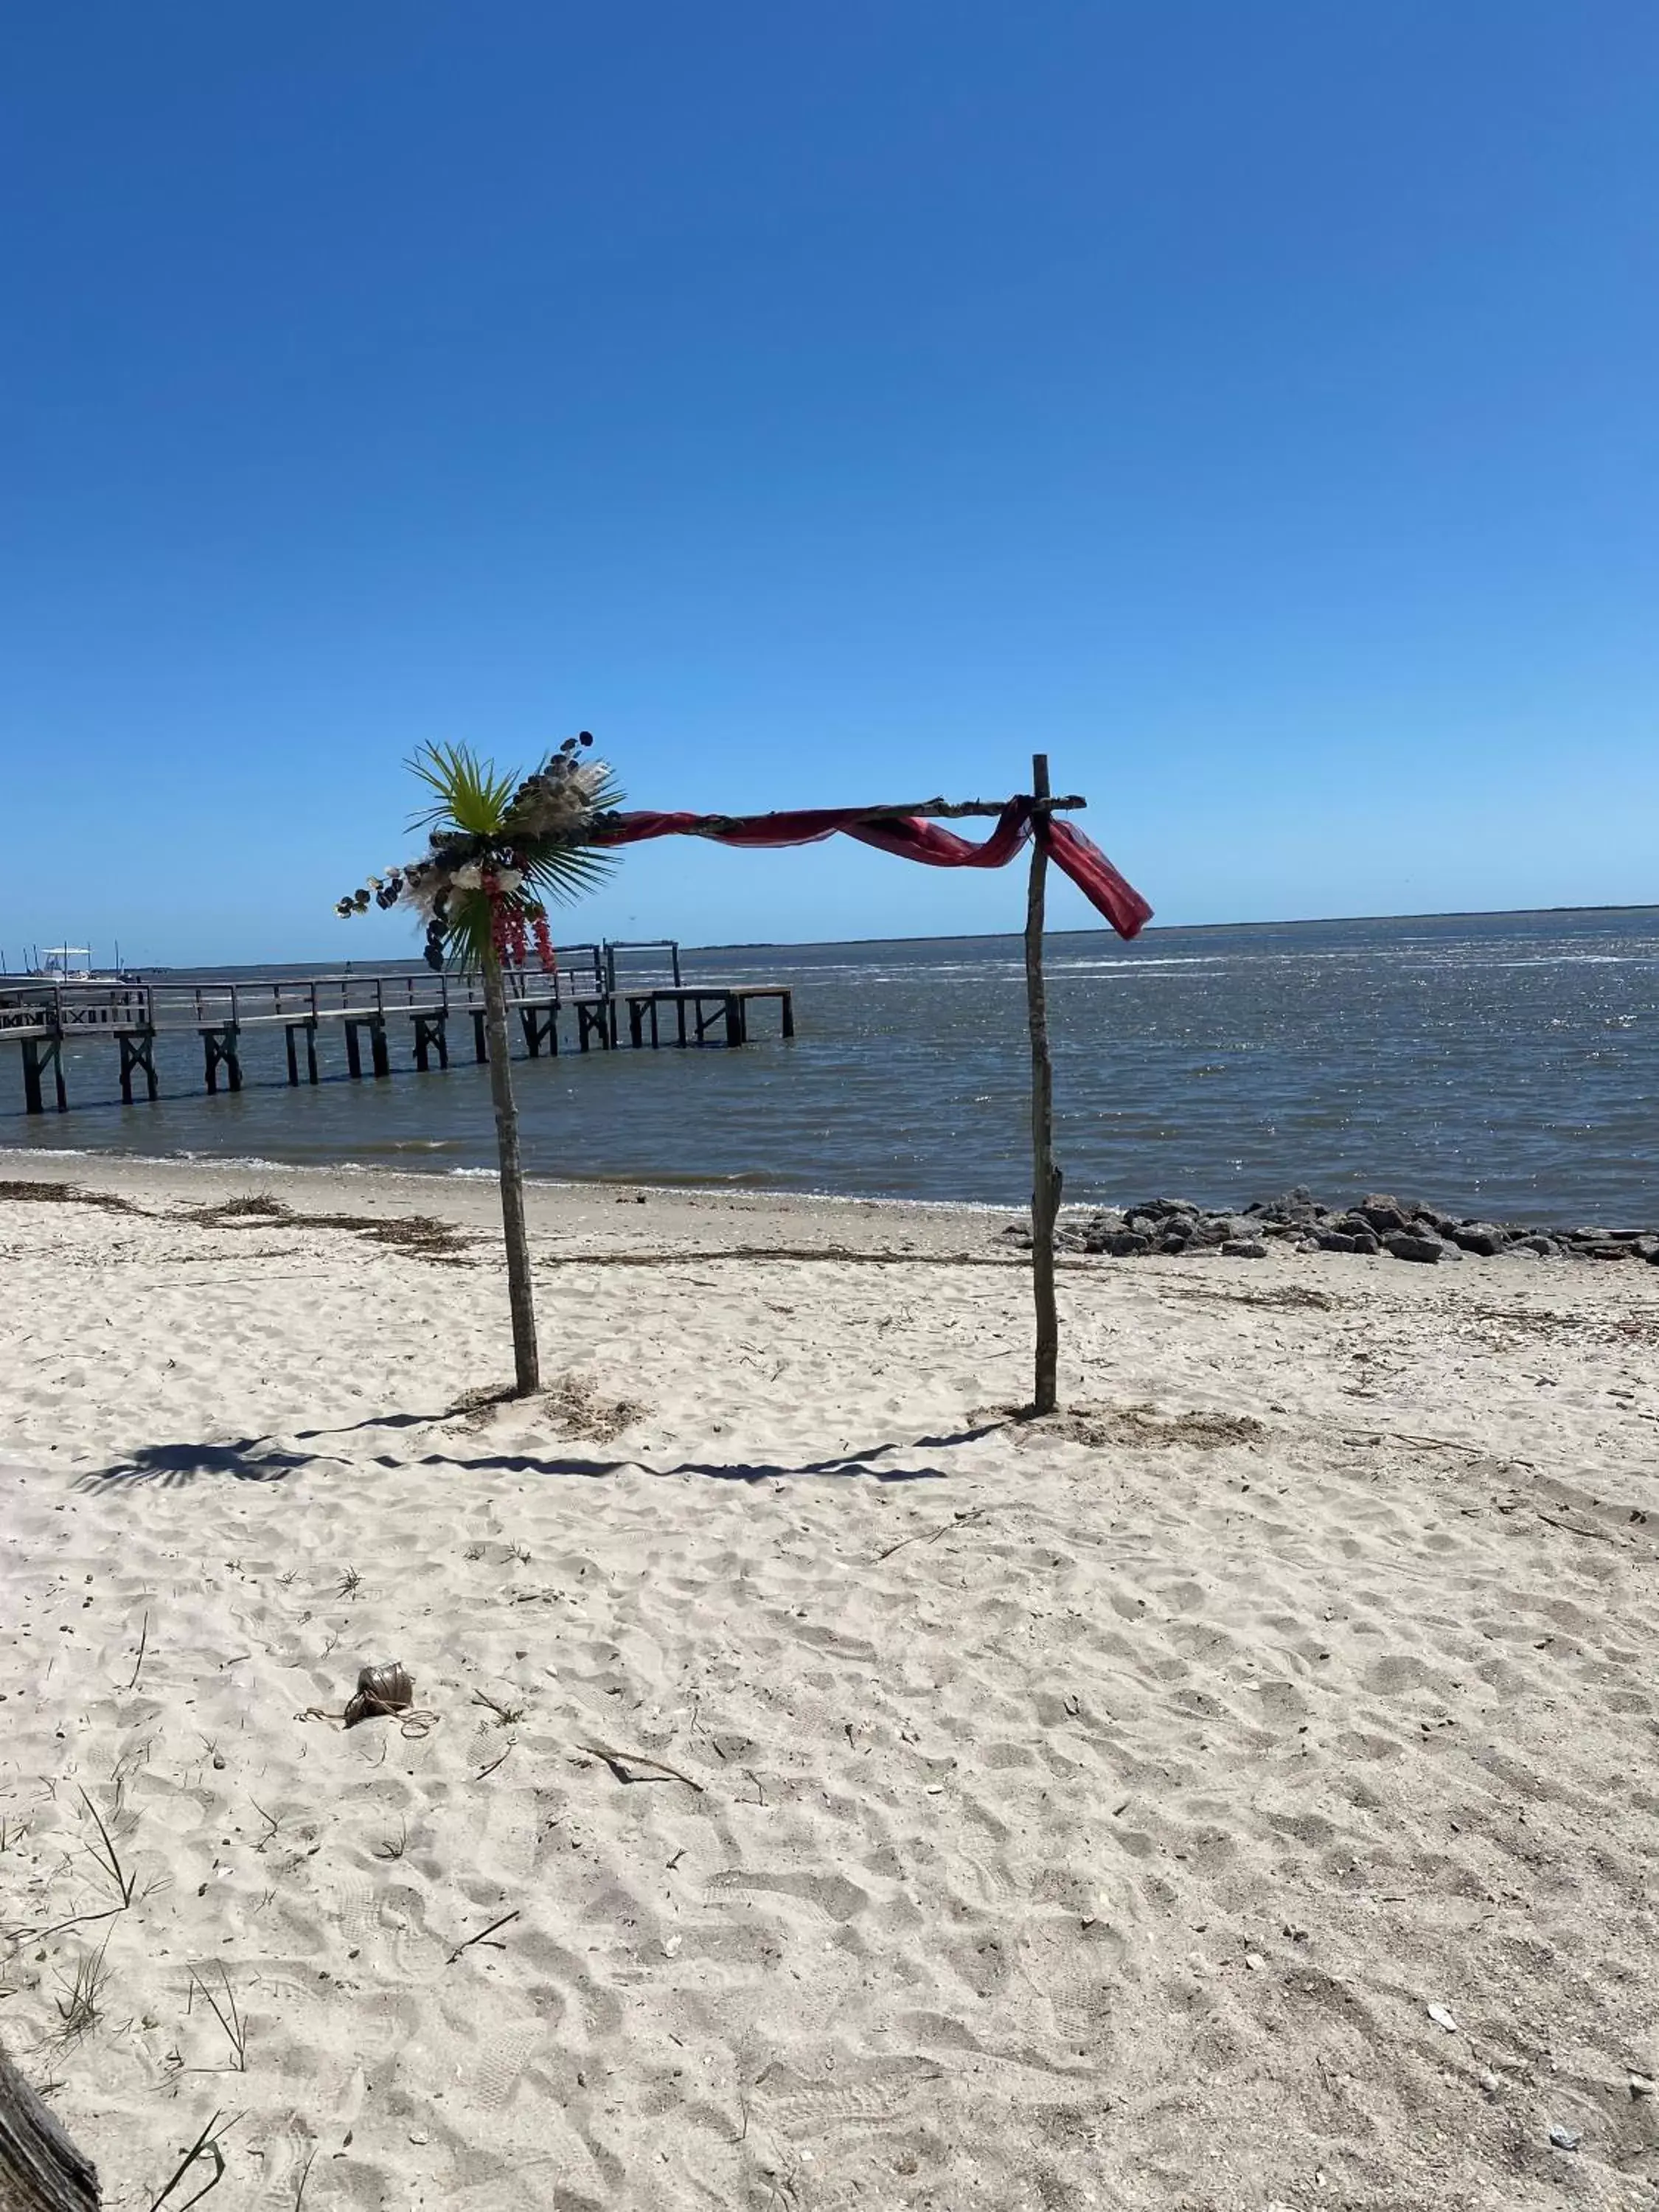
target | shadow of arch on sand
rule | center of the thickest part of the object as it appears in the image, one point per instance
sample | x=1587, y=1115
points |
x=260, y=1459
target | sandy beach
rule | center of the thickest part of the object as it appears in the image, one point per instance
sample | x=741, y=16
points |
x=823, y=1790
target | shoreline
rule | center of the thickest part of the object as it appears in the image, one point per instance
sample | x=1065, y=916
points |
x=1076, y=1214
x=470, y=1186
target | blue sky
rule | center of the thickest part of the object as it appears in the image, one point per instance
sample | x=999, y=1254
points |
x=1254, y=405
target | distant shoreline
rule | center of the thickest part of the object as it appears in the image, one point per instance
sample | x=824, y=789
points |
x=1178, y=928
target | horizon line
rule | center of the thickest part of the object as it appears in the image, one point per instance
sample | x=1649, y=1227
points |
x=960, y=936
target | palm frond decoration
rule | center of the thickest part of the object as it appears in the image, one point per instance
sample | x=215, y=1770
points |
x=498, y=850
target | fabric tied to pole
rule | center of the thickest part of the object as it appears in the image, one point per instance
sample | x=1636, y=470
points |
x=911, y=838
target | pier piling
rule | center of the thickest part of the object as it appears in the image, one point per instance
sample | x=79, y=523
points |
x=138, y=1058
x=540, y=1024
x=380, y=1058
x=293, y=1030
x=219, y=1048
x=431, y=1035
x=43, y=1054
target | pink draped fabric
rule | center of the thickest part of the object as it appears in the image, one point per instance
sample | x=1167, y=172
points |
x=912, y=838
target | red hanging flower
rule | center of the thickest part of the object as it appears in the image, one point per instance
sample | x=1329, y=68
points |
x=501, y=922
x=544, y=953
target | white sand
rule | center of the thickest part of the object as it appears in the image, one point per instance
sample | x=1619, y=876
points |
x=1090, y=1814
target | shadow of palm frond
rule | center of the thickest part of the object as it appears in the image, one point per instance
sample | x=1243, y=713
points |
x=251, y=1459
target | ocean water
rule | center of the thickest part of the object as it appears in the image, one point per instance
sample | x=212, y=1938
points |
x=1500, y=1065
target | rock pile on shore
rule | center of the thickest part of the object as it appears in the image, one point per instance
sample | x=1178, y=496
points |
x=1397, y=1228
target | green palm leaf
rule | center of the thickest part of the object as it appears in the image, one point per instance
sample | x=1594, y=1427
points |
x=467, y=933
x=565, y=872
x=469, y=796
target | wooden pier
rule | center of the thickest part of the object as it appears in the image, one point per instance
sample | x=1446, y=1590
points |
x=365, y=1011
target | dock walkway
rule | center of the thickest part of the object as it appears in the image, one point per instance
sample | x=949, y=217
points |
x=40, y=1016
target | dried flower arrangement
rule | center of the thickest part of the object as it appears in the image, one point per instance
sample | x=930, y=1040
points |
x=496, y=852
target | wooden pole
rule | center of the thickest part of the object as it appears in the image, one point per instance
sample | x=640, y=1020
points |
x=925, y=809
x=1045, y=1175
x=526, y=1358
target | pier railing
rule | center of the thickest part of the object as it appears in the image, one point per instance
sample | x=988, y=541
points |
x=187, y=1004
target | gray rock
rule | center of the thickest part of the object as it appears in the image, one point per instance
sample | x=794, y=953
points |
x=1294, y=1208
x=1297, y=1221
x=1405, y=1246
x=1208, y=1232
x=1481, y=1238
x=1385, y=1215
x=1243, y=1248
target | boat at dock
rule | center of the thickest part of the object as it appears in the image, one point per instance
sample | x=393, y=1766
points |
x=68, y=963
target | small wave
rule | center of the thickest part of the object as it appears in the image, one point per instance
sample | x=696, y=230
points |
x=1097, y=967
x=225, y=1159
x=416, y=1145
x=1574, y=960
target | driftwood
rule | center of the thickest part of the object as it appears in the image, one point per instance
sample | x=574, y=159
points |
x=40, y=2169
